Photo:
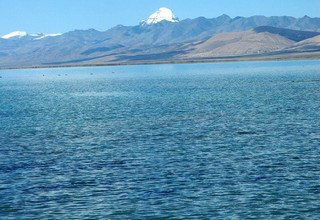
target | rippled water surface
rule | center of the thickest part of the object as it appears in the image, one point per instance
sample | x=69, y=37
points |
x=195, y=141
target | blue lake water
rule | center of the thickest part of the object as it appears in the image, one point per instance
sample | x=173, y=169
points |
x=190, y=141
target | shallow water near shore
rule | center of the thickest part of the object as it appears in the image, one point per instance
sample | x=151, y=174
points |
x=198, y=141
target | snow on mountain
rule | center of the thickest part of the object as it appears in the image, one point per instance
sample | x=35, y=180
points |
x=15, y=34
x=47, y=35
x=20, y=34
x=163, y=14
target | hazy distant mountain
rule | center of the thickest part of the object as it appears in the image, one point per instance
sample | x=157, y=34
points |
x=160, y=37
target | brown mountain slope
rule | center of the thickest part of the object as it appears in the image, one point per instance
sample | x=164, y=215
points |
x=310, y=44
x=313, y=40
x=239, y=44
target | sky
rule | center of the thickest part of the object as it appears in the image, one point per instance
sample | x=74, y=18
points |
x=60, y=16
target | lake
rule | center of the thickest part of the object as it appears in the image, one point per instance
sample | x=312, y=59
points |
x=234, y=140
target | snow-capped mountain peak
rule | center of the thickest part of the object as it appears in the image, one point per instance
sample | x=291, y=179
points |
x=163, y=14
x=15, y=34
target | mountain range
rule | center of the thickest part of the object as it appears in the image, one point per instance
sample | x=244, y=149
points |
x=164, y=38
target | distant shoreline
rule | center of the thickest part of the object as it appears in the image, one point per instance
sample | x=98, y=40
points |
x=311, y=56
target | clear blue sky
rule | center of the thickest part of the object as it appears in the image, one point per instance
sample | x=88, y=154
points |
x=59, y=16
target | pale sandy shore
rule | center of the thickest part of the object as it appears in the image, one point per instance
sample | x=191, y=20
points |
x=281, y=57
